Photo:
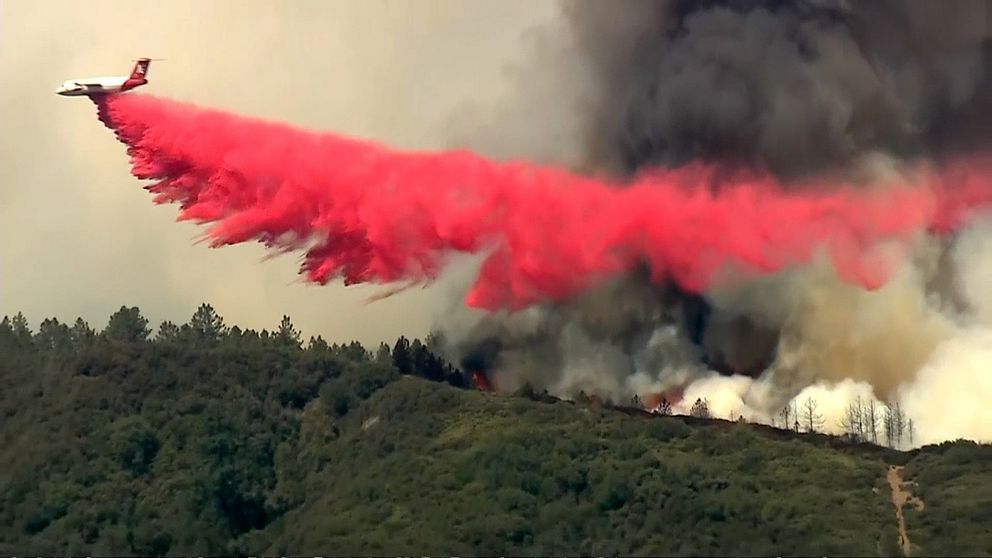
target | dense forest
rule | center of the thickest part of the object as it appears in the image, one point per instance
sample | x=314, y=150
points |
x=206, y=439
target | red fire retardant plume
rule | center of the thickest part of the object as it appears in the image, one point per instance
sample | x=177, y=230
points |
x=368, y=213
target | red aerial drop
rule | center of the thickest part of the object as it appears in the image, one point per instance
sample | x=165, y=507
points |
x=366, y=213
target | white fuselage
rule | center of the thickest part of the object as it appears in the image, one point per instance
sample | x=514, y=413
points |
x=92, y=86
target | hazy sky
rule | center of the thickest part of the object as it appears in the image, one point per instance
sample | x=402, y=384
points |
x=79, y=235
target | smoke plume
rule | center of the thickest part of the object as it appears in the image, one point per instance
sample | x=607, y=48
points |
x=857, y=90
x=768, y=200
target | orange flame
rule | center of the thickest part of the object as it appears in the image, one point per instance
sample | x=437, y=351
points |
x=652, y=401
x=480, y=381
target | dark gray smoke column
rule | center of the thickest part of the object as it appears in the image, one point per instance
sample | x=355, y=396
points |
x=797, y=88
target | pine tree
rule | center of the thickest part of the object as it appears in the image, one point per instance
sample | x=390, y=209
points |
x=81, y=334
x=317, y=344
x=127, y=325
x=664, y=408
x=287, y=334
x=402, y=360
x=384, y=355
x=700, y=409
x=418, y=358
x=207, y=325
x=167, y=332
x=354, y=351
x=22, y=331
x=54, y=336
x=455, y=376
x=6, y=332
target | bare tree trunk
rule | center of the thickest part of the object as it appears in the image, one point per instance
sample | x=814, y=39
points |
x=784, y=415
x=851, y=422
x=857, y=417
x=888, y=426
x=899, y=424
x=811, y=419
x=871, y=421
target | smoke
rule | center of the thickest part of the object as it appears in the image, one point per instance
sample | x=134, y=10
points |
x=800, y=89
x=369, y=214
x=835, y=332
x=948, y=397
x=906, y=343
x=763, y=189
x=796, y=87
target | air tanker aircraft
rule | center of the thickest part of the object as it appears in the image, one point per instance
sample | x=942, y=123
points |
x=107, y=85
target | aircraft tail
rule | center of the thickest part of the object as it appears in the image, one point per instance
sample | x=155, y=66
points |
x=140, y=71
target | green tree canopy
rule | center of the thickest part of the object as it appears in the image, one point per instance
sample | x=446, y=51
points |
x=287, y=334
x=167, y=332
x=21, y=329
x=81, y=334
x=207, y=325
x=127, y=325
x=54, y=336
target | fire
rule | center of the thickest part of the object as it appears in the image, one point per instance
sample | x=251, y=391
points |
x=674, y=395
x=652, y=402
x=480, y=381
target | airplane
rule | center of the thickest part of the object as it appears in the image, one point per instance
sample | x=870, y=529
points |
x=108, y=85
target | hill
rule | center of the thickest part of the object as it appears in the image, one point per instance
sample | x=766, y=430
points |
x=211, y=440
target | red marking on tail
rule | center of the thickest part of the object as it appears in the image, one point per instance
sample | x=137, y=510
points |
x=140, y=71
x=139, y=75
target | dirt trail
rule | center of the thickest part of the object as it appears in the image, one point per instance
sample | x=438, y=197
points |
x=900, y=497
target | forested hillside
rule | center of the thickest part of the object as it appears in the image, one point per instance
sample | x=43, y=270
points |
x=204, y=439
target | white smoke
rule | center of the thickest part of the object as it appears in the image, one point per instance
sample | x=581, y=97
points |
x=929, y=356
x=724, y=397
x=949, y=399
